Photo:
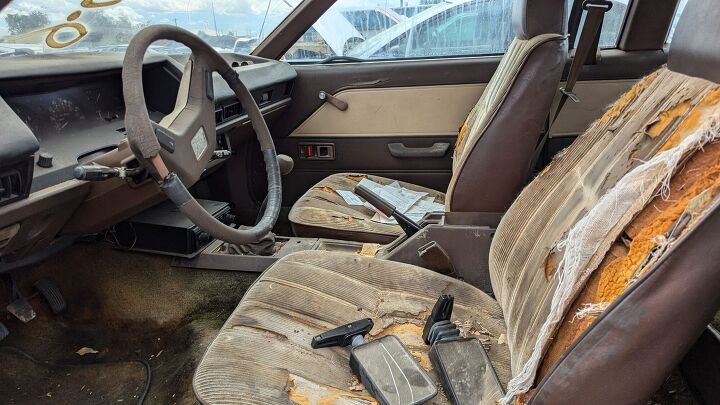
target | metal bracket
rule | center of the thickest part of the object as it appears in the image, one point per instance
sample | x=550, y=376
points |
x=571, y=95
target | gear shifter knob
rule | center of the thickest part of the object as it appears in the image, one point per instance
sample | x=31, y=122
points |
x=286, y=164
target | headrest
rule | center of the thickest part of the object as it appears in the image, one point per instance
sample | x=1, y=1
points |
x=536, y=17
x=695, y=47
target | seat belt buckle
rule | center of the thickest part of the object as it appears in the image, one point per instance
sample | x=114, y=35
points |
x=571, y=95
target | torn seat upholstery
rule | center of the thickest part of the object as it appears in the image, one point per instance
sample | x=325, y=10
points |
x=263, y=355
x=500, y=132
x=331, y=217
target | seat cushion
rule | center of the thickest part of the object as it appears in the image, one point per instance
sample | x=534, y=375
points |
x=321, y=212
x=262, y=355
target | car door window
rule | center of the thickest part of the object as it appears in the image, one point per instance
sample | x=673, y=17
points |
x=378, y=30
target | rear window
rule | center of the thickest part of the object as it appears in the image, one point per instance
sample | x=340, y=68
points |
x=613, y=24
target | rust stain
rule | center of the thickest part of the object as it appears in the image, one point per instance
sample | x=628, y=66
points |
x=302, y=391
x=692, y=189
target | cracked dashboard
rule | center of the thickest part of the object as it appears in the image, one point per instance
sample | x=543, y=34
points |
x=59, y=111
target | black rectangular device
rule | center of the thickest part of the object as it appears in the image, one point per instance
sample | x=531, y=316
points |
x=165, y=230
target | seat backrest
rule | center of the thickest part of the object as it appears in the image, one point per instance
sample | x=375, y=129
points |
x=504, y=126
x=656, y=315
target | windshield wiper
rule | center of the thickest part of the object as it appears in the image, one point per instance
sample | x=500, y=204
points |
x=341, y=59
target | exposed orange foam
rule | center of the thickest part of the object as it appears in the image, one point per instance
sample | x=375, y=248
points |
x=666, y=118
x=700, y=174
x=461, y=133
x=693, y=121
x=305, y=392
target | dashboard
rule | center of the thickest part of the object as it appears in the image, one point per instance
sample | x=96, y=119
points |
x=68, y=109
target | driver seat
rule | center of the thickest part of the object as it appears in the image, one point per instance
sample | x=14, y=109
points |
x=500, y=132
x=620, y=355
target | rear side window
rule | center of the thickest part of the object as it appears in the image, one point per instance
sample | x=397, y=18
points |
x=613, y=23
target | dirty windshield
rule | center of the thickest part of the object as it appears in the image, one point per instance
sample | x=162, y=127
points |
x=33, y=26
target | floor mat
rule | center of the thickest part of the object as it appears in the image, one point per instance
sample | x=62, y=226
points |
x=25, y=380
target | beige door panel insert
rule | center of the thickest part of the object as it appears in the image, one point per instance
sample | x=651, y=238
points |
x=394, y=111
x=595, y=98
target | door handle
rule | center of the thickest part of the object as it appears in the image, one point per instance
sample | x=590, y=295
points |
x=401, y=151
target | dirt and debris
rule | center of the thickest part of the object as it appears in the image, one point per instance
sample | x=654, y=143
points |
x=356, y=177
x=369, y=249
x=86, y=350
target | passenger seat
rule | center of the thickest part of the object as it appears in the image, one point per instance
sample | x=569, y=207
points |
x=495, y=145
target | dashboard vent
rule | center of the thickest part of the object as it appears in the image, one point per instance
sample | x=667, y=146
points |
x=218, y=116
x=11, y=186
x=231, y=111
x=15, y=181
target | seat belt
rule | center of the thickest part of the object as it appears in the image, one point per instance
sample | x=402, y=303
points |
x=587, y=44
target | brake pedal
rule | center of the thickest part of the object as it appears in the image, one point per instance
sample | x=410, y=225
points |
x=52, y=295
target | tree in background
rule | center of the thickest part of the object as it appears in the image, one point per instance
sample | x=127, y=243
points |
x=104, y=28
x=21, y=23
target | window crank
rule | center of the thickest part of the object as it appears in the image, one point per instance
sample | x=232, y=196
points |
x=336, y=102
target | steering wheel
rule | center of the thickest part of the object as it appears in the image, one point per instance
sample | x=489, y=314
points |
x=187, y=134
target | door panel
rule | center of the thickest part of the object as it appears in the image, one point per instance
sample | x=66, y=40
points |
x=419, y=103
x=416, y=111
x=367, y=155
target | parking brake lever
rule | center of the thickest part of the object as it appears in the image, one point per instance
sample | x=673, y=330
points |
x=408, y=225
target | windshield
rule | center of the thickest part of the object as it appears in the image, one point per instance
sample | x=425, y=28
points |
x=30, y=27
